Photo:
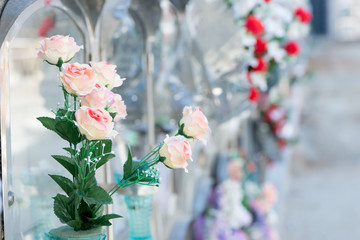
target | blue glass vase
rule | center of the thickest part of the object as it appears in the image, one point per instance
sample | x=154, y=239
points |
x=139, y=211
x=67, y=233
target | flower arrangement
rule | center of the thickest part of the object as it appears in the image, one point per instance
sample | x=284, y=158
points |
x=86, y=121
x=239, y=208
x=269, y=36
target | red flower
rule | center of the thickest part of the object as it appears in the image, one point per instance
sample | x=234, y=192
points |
x=260, y=47
x=254, y=25
x=47, y=24
x=261, y=65
x=253, y=94
x=303, y=15
x=292, y=48
x=267, y=1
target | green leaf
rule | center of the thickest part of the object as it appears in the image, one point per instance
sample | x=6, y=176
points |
x=104, y=220
x=113, y=115
x=67, y=163
x=47, y=122
x=97, y=195
x=128, y=165
x=104, y=160
x=75, y=224
x=65, y=183
x=67, y=130
x=70, y=150
x=90, y=181
x=61, y=208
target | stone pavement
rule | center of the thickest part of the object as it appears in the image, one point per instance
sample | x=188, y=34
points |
x=322, y=197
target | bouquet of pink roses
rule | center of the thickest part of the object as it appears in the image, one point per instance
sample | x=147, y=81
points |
x=86, y=121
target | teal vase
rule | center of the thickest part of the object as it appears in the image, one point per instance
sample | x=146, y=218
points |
x=67, y=233
x=139, y=213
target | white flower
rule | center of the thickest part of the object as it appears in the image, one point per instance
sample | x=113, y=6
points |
x=275, y=51
x=259, y=80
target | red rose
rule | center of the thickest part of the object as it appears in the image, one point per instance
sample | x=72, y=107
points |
x=260, y=47
x=261, y=65
x=254, y=25
x=253, y=94
x=292, y=48
x=267, y=1
x=303, y=15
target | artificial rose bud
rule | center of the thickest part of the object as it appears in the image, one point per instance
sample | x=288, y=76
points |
x=107, y=75
x=95, y=123
x=260, y=47
x=78, y=79
x=253, y=94
x=292, y=48
x=194, y=124
x=254, y=25
x=175, y=151
x=56, y=47
x=117, y=106
x=303, y=15
x=261, y=65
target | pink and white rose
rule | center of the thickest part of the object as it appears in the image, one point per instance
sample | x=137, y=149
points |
x=100, y=96
x=118, y=106
x=58, y=46
x=195, y=123
x=78, y=79
x=107, y=74
x=95, y=123
x=176, y=150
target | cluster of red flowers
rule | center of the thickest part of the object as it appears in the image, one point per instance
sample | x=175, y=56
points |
x=255, y=27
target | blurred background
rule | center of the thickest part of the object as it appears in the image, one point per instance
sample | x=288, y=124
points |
x=291, y=178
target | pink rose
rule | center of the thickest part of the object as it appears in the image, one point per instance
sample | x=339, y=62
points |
x=176, y=150
x=58, y=46
x=195, y=123
x=107, y=74
x=78, y=79
x=270, y=194
x=100, y=96
x=118, y=106
x=95, y=123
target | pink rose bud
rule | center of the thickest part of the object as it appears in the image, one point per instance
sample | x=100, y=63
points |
x=107, y=74
x=194, y=124
x=118, y=106
x=176, y=150
x=95, y=123
x=78, y=79
x=100, y=96
x=270, y=194
x=58, y=46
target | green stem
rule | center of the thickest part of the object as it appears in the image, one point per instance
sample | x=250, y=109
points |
x=75, y=103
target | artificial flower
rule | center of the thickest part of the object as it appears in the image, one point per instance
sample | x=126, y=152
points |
x=303, y=15
x=292, y=48
x=78, y=79
x=254, y=25
x=194, y=124
x=260, y=47
x=175, y=152
x=58, y=47
x=95, y=123
x=106, y=74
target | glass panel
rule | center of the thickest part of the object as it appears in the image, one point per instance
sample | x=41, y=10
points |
x=34, y=90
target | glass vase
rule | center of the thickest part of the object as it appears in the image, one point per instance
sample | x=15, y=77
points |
x=67, y=233
x=139, y=213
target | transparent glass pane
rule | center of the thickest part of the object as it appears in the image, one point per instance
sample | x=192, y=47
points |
x=34, y=90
